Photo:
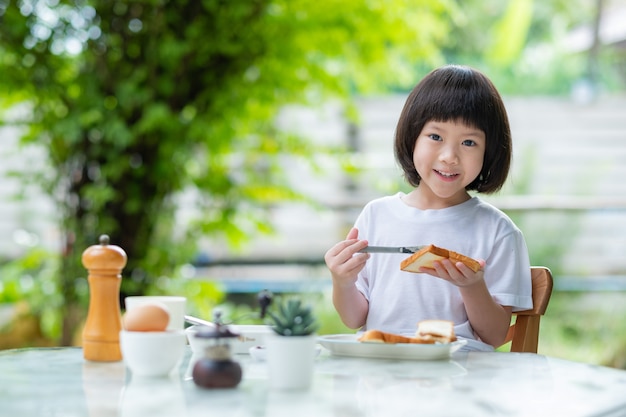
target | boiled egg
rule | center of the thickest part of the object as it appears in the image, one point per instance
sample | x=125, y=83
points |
x=147, y=318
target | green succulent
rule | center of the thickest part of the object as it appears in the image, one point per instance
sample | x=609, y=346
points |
x=292, y=318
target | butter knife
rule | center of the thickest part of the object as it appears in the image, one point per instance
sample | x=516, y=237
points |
x=391, y=249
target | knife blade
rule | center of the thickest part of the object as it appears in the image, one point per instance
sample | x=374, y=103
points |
x=391, y=249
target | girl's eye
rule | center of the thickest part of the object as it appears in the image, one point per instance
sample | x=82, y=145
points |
x=469, y=142
x=434, y=137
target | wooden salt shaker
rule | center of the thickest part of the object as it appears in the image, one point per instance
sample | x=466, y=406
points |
x=101, y=335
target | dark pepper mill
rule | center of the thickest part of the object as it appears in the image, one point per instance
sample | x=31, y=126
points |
x=217, y=369
x=101, y=333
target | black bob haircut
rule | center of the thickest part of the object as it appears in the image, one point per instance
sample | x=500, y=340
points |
x=457, y=93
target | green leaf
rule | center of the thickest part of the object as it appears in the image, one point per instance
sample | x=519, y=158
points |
x=510, y=33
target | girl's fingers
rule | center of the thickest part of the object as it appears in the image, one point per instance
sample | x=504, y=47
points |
x=339, y=247
x=352, y=266
x=354, y=245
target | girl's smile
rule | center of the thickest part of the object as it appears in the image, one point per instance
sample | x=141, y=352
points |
x=446, y=176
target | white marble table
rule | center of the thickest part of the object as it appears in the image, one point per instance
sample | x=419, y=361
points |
x=59, y=382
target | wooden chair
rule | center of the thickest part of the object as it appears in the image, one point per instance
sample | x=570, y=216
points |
x=524, y=332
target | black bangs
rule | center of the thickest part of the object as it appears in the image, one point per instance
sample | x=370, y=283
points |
x=458, y=95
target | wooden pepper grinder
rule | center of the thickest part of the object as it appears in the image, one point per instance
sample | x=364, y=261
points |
x=101, y=335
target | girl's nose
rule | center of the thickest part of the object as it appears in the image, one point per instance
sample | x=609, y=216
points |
x=449, y=155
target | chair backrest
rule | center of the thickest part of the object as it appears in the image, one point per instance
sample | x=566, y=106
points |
x=524, y=332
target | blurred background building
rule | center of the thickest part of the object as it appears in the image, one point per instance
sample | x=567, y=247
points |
x=568, y=160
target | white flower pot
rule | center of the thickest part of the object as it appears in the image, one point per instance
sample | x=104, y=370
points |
x=290, y=361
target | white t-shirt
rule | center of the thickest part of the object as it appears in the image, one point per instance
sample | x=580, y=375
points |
x=398, y=300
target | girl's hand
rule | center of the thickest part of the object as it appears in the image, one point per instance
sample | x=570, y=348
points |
x=456, y=273
x=344, y=261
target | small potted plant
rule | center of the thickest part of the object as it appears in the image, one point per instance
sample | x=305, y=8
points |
x=291, y=347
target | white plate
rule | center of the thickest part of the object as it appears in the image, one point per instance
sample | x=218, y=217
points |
x=348, y=345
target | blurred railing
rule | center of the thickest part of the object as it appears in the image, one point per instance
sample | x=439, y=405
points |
x=298, y=274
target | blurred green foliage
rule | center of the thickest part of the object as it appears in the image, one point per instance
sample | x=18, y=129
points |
x=524, y=45
x=33, y=278
x=585, y=327
x=136, y=102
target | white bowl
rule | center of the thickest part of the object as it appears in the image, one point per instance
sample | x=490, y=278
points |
x=249, y=335
x=152, y=353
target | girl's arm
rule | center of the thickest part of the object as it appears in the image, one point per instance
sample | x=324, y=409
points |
x=350, y=304
x=489, y=319
x=344, y=263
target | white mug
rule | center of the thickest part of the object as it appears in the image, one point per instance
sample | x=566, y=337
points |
x=175, y=305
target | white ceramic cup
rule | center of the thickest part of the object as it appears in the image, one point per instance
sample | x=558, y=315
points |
x=175, y=305
x=152, y=354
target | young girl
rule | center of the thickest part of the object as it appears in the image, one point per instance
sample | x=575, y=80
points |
x=452, y=137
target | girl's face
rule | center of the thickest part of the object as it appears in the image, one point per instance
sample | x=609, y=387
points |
x=448, y=156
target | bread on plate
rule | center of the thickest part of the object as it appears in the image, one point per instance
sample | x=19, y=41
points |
x=428, y=332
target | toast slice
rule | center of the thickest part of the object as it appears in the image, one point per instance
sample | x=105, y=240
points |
x=441, y=331
x=428, y=254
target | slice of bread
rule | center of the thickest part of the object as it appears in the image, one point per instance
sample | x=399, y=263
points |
x=441, y=331
x=428, y=254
